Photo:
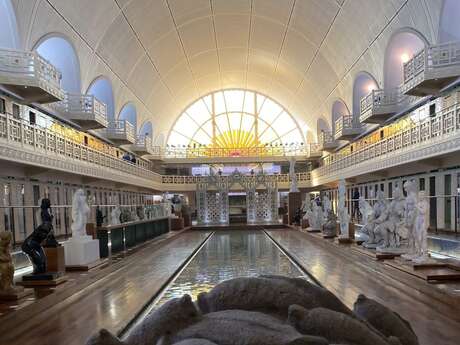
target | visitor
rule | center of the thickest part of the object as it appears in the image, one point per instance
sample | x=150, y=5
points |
x=356, y=214
x=126, y=157
x=133, y=159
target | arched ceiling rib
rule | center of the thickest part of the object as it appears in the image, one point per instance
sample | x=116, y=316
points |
x=166, y=53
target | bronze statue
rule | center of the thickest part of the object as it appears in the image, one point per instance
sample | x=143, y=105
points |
x=47, y=217
x=33, y=248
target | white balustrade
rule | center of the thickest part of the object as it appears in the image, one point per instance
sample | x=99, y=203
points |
x=25, y=68
x=187, y=180
x=120, y=131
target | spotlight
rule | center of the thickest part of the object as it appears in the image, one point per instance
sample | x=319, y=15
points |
x=405, y=57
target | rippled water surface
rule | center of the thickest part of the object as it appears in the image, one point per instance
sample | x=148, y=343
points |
x=230, y=254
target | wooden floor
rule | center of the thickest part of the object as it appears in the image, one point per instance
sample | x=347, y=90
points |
x=433, y=310
x=109, y=298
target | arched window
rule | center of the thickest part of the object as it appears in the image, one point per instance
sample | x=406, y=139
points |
x=403, y=45
x=364, y=83
x=101, y=88
x=9, y=37
x=61, y=53
x=339, y=109
x=449, y=25
x=129, y=113
x=146, y=129
x=235, y=119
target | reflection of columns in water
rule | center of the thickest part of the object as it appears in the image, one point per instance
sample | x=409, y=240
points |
x=224, y=251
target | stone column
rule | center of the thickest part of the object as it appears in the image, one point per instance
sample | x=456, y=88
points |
x=440, y=201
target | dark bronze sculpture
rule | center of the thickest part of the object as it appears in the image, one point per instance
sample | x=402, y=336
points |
x=99, y=217
x=47, y=217
x=33, y=248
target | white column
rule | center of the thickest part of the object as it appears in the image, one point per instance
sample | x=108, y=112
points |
x=453, y=189
x=439, y=185
x=29, y=212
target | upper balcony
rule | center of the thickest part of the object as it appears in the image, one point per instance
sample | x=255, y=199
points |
x=266, y=153
x=143, y=145
x=327, y=142
x=120, y=132
x=347, y=127
x=30, y=76
x=85, y=110
x=432, y=69
x=379, y=105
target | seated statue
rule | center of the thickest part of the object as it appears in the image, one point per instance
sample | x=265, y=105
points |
x=33, y=248
x=378, y=216
x=330, y=227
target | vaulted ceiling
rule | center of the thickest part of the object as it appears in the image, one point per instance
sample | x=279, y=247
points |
x=164, y=54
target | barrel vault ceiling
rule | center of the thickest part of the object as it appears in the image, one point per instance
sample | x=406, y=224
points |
x=163, y=54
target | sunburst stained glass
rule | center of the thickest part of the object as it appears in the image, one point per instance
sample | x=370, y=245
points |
x=234, y=119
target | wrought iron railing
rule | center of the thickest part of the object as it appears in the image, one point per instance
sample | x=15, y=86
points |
x=30, y=68
x=445, y=123
x=19, y=132
x=280, y=178
x=346, y=122
x=429, y=59
x=171, y=152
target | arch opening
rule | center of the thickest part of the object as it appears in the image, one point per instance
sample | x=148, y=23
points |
x=61, y=53
x=339, y=109
x=364, y=84
x=401, y=48
x=101, y=88
x=235, y=118
x=9, y=36
x=129, y=114
x=146, y=129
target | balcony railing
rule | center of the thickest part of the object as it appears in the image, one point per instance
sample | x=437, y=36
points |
x=379, y=105
x=346, y=127
x=30, y=76
x=86, y=110
x=18, y=133
x=120, y=132
x=171, y=152
x=327, y=141
x=143, y=145
x=444, y=124
x=440, y=63
x=184, y=180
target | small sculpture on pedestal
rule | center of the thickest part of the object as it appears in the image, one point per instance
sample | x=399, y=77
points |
x=292, y=176
x=33, y=248
x=343, y=216
x=330, y=227
x=315, y=217
x=115, y=216
x=80, y=213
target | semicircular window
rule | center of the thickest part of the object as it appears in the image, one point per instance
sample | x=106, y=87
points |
x=235, y=119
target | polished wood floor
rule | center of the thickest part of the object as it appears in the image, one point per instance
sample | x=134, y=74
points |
x=433, y=310
x=109, y=298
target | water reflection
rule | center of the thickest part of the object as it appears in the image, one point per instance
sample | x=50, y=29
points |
x=230, y=254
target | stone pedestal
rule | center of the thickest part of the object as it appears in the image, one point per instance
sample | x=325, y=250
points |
x=177, y=223
x=81, y=251
x=294, y=202
x=55, y=259
x=16, y=294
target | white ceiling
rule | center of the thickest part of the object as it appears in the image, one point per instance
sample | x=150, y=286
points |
x=164, y=54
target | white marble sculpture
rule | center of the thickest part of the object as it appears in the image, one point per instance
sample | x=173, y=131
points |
x=422, y=222
x=315, y=217
x=293, y=177
x=378, y=216
x=80, y=213
x=365, y=209
x=392, y=229
x=410, y=214
x=115, y=215
x=343, y=216
x=327, y=206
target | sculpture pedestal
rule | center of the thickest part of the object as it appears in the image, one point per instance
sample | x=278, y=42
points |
x=310, y=229
x=294, y=202
x=55, y=258
x=81, y=251
x=18, y=293
x=43, y=279
x=177, y=223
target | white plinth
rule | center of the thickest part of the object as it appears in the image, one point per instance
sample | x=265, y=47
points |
x=81, y=251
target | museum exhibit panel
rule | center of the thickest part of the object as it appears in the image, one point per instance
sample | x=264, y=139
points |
x=210, y=172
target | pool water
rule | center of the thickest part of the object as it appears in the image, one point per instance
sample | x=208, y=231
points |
x=226, y=255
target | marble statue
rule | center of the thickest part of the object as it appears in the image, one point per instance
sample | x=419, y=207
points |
x=316, y=217
x=377, y=217
x=422, y=222
x=330, y=226
x=115, y=215
x=367, y=213
x=343, y=216
x=327, y=205
x=6, y=264
x=410, y=214
x=266, y=310
x=80, y=213
x=292, y=176
x=392, y=228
